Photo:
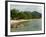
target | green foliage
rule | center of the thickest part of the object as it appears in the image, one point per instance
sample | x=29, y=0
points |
x=35, y=14
x=28, y=14
x=16, y=14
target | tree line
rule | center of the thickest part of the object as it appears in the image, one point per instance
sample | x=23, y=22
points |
x=16, y=14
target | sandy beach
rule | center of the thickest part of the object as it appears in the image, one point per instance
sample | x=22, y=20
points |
x=18, y=21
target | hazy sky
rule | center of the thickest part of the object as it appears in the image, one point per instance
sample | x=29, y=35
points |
x=27, y=8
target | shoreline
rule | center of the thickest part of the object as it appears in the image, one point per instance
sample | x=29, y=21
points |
x=17, y=21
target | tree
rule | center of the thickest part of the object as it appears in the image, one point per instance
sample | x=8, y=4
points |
x=36, y=14
x=13, y=13
x=16, y=14
x=28, y=14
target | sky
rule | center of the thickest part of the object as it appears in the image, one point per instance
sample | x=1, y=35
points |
x=26, y=8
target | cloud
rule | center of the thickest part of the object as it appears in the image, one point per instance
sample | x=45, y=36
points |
x=27, y=8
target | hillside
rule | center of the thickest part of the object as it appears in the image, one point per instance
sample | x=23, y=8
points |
x=16, y=14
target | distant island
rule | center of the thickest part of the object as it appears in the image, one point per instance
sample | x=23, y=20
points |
x=16, y=14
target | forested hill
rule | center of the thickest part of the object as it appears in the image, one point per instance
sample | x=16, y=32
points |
x=16, y=14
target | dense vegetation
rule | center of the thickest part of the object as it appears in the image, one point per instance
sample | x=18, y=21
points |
x=16, y=14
